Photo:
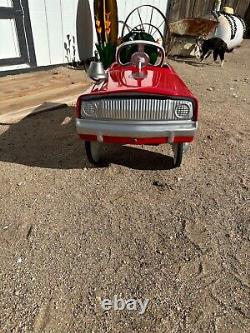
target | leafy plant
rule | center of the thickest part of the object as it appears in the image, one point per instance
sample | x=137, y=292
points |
x=106, y=28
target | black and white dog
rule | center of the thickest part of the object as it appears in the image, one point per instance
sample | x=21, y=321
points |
x=214, y=45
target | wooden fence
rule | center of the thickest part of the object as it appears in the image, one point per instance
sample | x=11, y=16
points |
x=198, y=8
x=247, y=20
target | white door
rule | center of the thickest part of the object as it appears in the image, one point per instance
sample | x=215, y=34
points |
x=15, y=34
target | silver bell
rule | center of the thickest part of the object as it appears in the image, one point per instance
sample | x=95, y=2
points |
x=96, y=70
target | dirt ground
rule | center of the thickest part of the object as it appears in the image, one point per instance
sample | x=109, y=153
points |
x=72, y=235
x=30, y=90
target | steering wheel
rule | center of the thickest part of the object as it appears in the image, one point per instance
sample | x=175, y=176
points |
x=154, y=23
x=141, y=57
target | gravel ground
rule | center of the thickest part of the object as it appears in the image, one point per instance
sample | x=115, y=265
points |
x=72, y=235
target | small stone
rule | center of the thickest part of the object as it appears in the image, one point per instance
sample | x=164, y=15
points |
x=159, y=183
x=210, y=137
x=19, y=184
x=210, y=89
x=19, y=260
x=235, y=95
x=179, y=179
x=66, y=121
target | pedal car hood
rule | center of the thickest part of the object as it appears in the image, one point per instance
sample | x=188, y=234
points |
x=151, y=80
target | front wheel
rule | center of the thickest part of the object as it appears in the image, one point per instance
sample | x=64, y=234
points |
x=94, y=152
x=178, y=150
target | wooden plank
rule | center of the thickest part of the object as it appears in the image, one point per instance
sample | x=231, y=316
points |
x=175, y=10
x=198, y=8
x=241, y=7
x=247, y=20
x=16, y=116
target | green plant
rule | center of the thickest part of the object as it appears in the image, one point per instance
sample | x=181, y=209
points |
x=106, y=29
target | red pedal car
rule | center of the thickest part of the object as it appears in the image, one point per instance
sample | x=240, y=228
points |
x=138, y=100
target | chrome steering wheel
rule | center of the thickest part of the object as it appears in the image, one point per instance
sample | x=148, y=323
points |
x=141, y=58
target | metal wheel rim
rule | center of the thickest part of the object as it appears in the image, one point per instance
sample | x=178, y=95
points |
x=175, y=150
x=137, y=9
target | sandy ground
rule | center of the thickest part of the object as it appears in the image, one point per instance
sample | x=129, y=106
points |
x=72, y=235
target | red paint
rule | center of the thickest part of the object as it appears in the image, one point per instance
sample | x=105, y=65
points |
x=183, y=139
x=163, y=81
x=136, y=141
x=78, y=107
x=87, y=137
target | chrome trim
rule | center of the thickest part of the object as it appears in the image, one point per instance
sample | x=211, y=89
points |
x=136, y=129
x=136, y=109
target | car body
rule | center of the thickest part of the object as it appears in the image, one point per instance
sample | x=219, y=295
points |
x=138, y=105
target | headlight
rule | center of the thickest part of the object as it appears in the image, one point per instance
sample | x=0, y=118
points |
x=184, y=110
x=89, y=109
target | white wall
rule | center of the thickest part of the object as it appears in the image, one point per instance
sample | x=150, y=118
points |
x=53, y=20
x=125, y=7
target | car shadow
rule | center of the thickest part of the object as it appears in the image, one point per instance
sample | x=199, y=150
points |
x=49, y=140
x=137, y=158
x=46, y=140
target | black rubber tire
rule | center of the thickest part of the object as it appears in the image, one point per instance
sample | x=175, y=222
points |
x=178, y=155
x=92, y=159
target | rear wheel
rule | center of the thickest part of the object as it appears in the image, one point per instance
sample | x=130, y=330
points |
x=178, y=149
x=94, y=152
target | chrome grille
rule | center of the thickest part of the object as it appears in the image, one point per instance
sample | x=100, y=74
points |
x=137, y=109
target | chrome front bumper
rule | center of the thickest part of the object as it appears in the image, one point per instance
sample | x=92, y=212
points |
x=136, y=129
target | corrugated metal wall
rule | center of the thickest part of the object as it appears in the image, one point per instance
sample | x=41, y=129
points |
x=198, y=8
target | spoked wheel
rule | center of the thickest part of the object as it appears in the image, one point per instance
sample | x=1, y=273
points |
x=178, y=150
x=134, y=21
x=94, y=152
